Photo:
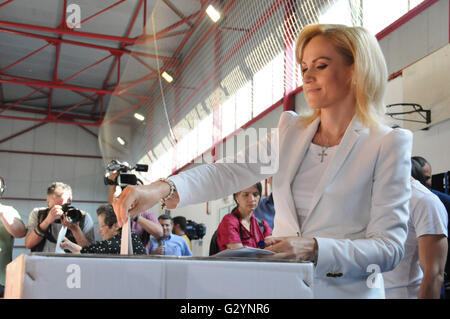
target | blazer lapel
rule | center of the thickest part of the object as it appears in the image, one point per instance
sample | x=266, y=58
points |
x=349, y=139
x=294, y=147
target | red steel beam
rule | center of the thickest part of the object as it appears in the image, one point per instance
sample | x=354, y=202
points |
x=69, y=117
x=30, y=99
x=21, y=132
x=46, y=84
x=88, y=45
x=96, y=136
x=135, y=106
x=57, y=52
x=289, y=66
x=147, y=38
x=70, y=32
x=24, y=58
x=22, y=99
x=55, y=80
x=69, y=109
x=47, y=120
x=217, y=127
x=244, y=39
x=50, y=154
x=5, y=3
x=202, y=14
x=177, y=12
x=102, y=11
x=122, y=46
x=55, y=77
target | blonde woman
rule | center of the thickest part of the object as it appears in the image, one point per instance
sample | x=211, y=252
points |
x=342, y=189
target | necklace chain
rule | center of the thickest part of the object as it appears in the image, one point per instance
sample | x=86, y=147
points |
x=325, y=147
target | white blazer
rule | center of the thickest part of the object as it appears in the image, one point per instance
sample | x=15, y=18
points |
x=360, y=206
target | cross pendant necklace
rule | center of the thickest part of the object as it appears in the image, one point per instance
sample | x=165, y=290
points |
x=322, y=154
x=324, y=149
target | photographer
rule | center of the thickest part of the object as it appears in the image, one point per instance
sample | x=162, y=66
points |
x=11, y=226
x=45, y=224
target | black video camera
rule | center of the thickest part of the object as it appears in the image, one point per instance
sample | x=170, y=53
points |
x=123, y=179
x=195, y=230
x=72, y=214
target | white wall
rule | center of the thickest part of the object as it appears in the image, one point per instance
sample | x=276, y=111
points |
x=434, y=145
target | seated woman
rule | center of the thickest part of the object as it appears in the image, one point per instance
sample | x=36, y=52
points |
x=111, y=235
x=240, y=227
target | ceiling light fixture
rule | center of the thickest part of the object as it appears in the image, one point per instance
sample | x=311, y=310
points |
x=120, y=140
x=213, y=13
x=140, y=117
x=167, y=77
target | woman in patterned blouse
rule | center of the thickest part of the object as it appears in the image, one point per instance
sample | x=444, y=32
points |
x=111, y=235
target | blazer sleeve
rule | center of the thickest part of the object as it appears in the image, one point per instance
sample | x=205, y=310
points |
x=213, y=181
x=386, y=232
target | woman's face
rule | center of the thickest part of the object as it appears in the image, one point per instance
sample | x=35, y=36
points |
x=248, y=199
x=327, y=77
x=104, y=230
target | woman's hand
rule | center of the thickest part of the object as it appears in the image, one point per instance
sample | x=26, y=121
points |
x=295, y=248
x=67, y=244
x=71, y=226
x=135, y=199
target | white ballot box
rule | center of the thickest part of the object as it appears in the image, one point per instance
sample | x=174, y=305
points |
x=43, y=275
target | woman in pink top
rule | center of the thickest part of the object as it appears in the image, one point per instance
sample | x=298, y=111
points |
x=240, y=227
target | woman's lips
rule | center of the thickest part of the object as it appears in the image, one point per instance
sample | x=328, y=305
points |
x=312, y=90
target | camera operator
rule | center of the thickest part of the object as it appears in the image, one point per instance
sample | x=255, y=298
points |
x=11, y=226
x=45, y=224
x=144, y=224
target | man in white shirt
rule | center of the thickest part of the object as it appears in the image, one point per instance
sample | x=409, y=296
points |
x=421, y=272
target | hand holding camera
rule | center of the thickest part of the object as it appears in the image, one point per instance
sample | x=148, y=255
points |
x=54, y=214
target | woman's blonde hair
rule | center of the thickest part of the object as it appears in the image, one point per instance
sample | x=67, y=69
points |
x=360, y=48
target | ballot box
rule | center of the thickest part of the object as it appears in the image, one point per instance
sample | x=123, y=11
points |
x=44, y=275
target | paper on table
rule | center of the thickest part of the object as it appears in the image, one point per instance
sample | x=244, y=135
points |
x=126, y=245
x=61, y=236
x=248, y=252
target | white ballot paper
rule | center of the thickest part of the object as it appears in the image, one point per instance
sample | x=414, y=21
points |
x=248, y=252
x=61, y=236
x=126, y=245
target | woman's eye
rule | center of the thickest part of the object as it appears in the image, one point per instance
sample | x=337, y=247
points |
x=304, y=70
x=321, y=67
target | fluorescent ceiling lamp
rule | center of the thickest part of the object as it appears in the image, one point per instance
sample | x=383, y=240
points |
x=213, y=13
x=138, y=116
x=167, y=77
x=120, y=140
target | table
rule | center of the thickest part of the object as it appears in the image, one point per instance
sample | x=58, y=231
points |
x=45, y=275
